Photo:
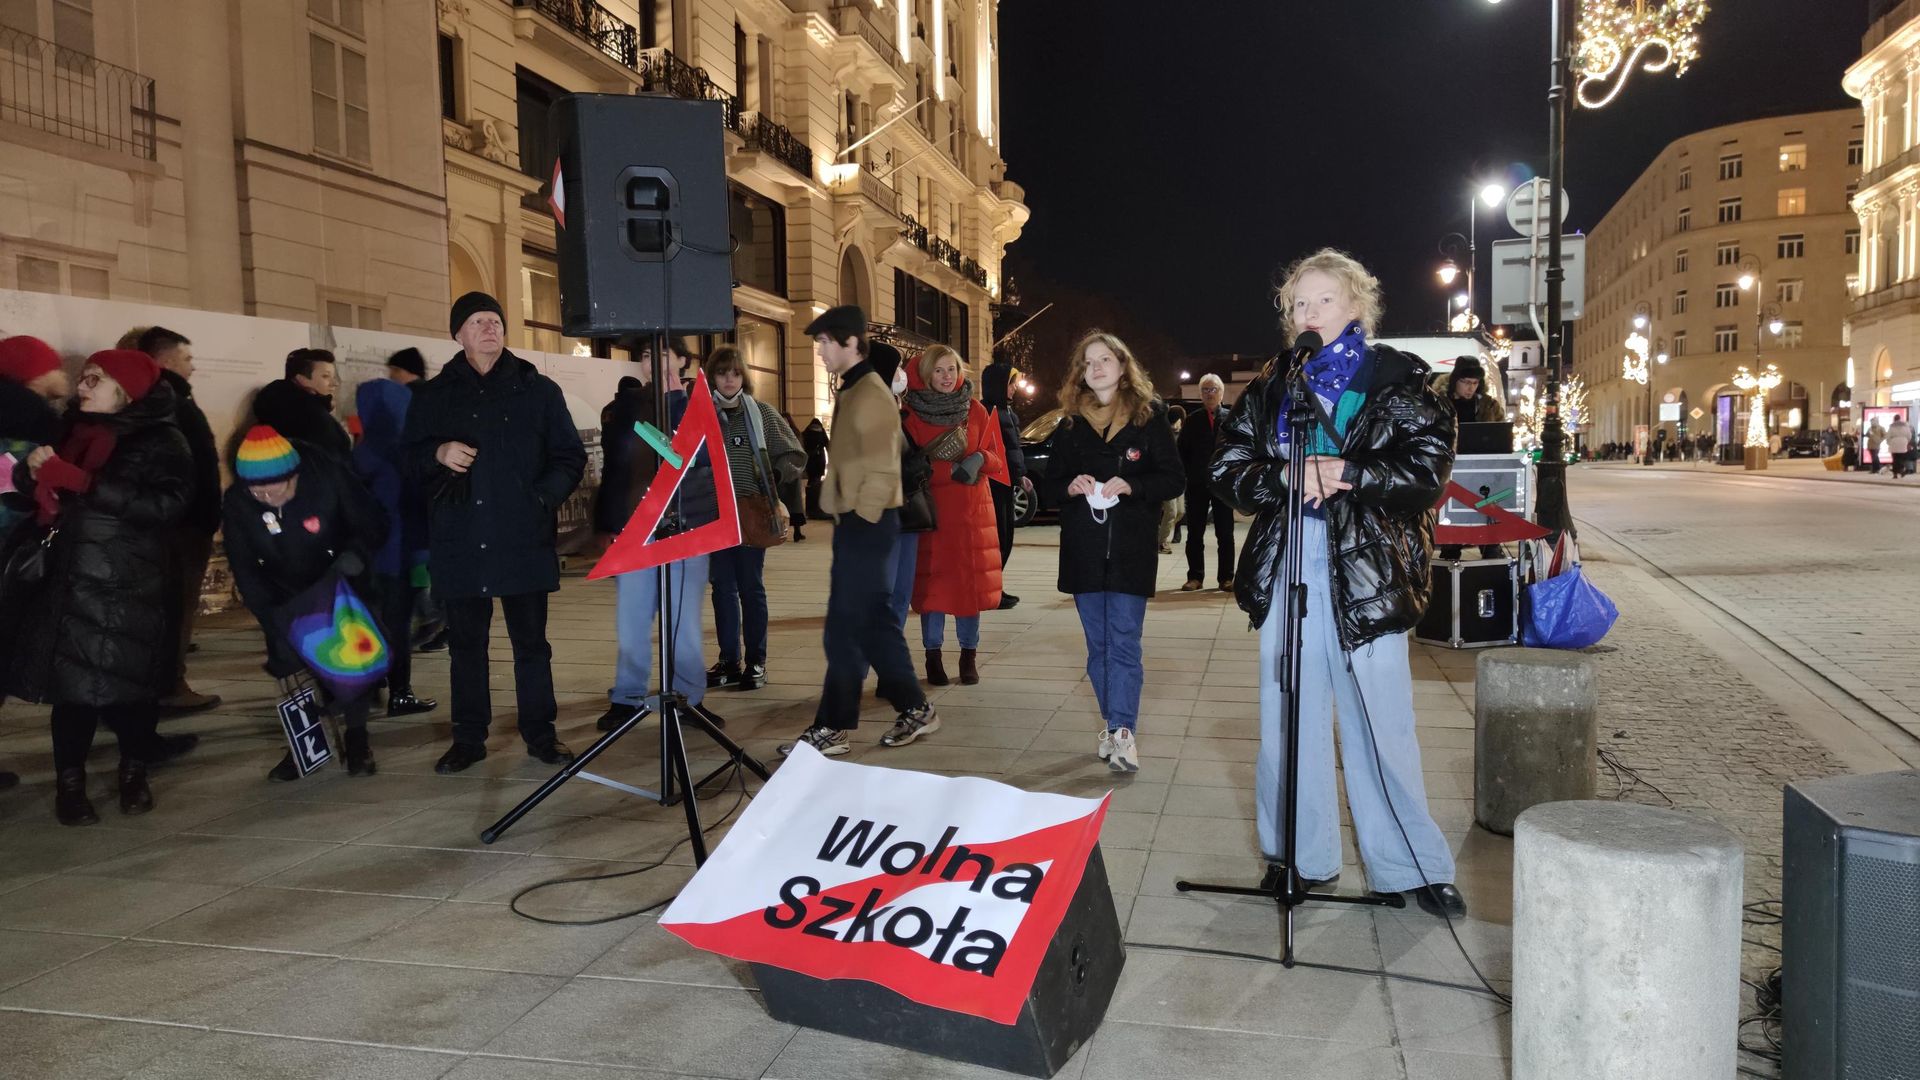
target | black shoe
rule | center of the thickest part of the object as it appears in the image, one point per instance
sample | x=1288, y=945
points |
x=1008, y=601
x=284, y=773
x=1276, y=876
x=618, y=714
x=70, y=802
x=553, y=753
x=359, y=753
x=459, y=758
x=173, y=746
x=135, y=796
x=1442, y=901
x=798, y=536
x=435, y=642
x=405, y=704
x=723, y=674
x=752, y=677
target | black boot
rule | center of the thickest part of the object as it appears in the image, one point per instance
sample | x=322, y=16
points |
x=969, y=668
x=70, y=802
x=936, y=668
x=135, y=796
x=359, y=753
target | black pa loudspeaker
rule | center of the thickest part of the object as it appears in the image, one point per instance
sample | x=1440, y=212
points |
x=1064, y=1007
x=643, y=235
x=1850, y=946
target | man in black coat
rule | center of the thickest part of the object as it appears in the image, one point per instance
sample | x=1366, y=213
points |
x=1198, y=434
x=491, y=442
x=300, y=405
x=620, y=489
x=995, y=393
x=193, y=535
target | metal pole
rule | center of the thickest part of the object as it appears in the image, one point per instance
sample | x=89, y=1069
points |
x=1473, y=260
x=1551, y=508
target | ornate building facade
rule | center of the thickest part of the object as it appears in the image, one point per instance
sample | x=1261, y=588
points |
x=1886, y=311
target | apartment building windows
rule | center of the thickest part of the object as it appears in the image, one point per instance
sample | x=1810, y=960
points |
x=1680, y=302
x=1683, y=220
x=350, y=313
x=1679, y=343
x=538, y=144
x=336, y=51
x=1852, y=241
x=1680, y=261
x=1685, y=181
x=1789, y=290
x=1726, y=253
x=1726, y=295
x=1729, y=211
x=1793, y=157
x=1726, y=339
x=1793, y=201
x=1856, y=152
x=1793, y=335
x=1791, y=246
x=1730, y=166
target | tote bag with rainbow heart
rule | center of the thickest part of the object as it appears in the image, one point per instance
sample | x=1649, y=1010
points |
x=333, y=633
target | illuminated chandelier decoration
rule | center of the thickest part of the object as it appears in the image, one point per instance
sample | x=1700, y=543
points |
x=1617, y=36
x=1759, y=386
x=1634, y=365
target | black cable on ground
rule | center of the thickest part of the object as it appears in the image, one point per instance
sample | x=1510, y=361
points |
x=1626, y=778
x=1759, y=1034
x=738, y=771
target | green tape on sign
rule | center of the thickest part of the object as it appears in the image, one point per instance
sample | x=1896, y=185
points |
x=660, y=443
x=1493, y=498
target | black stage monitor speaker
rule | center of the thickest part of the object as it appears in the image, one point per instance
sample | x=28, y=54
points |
x=1850, y=947
x=1065, y=1005
x=644, y=242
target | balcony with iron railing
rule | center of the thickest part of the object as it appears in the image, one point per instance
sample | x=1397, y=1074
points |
x=942, y=250
x=591, y=23
x=855, y=19
x=772, y=138
x=661, y=72
x=49, y=88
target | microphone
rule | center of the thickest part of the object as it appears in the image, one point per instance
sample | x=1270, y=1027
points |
x=1304, y=348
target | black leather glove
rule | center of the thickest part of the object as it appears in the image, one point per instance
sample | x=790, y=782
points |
x=967, y=469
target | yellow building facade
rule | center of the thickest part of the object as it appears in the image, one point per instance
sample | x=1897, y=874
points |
x=1886, y=313
x=1765, y=202
x=862, y=145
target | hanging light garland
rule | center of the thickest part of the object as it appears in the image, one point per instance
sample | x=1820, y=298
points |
x=1529, y=421
x=1759, y=385
x=1633, y=366
x=1617, y=36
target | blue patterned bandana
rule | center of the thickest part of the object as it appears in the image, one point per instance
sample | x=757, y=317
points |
x=1330, y=371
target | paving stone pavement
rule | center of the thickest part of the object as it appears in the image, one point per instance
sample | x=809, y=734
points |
x=358, y=928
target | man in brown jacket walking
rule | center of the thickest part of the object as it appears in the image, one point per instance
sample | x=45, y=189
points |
x=862, y=494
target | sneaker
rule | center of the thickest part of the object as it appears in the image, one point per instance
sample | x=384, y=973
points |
x=1126, y=753
x=915, y=722
x=723, y=674
x=752, y=677
x=1105, y=749
x=829, y=741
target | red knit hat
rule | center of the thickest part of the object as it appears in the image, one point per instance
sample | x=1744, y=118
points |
x=24, y=359
x=135, y=371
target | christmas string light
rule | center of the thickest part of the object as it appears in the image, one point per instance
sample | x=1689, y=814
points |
x=1616, y=36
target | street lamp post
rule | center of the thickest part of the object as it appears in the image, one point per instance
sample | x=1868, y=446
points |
x=1766, y=317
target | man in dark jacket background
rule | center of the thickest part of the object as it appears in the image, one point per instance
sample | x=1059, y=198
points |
x=193, y=536
x=1467, y=393
x=300, y=405
x=995, y=393
x=1198, y=435
x=490, y=441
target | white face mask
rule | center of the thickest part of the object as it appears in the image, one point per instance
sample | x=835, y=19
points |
x=1100, y=503
x=899, y=382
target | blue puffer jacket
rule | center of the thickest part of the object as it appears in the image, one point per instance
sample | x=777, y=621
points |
x=378, y=459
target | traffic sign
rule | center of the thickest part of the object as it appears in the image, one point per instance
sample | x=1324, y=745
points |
x=1520, y=279
x=1523, y=207
x=1696, y=413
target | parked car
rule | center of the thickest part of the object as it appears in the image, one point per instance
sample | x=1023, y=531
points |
x=1036, y=443
x=1802, y=444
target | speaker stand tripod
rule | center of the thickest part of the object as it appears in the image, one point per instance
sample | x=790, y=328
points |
x=1290, y=889
x=675, y=712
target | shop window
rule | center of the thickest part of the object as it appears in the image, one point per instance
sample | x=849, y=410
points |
x=759, y=228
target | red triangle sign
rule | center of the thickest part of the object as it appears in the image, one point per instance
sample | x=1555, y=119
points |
x=635, y=548
x=1503, y=526
x=557, y=198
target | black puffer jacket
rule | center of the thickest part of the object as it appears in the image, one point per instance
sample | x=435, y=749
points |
x=1122, y=554
x=203, y=514
x=1399, y=454
x=100, y=631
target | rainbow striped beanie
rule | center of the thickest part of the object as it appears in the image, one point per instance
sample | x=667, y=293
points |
x=265, y=457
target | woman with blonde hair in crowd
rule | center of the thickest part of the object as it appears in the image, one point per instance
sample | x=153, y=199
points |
x=762, y=454
x=957, y=571
x=1378, y=456
x=1114, y=466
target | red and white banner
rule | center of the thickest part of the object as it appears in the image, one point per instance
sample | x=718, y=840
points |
x=946, y=890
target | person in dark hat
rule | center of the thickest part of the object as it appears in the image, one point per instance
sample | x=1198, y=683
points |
x=491, y=442
x=862, y=491
x=1467, y=393
x=407, y=367
x=31, y=382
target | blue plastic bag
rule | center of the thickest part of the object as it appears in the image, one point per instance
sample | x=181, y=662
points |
x=1567, y=612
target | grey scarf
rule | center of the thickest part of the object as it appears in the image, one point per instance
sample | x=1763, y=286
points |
x=941, y=410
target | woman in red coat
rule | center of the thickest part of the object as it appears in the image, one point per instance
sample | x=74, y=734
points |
x=958, y=572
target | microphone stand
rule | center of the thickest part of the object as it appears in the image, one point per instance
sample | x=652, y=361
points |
x=1290, y=593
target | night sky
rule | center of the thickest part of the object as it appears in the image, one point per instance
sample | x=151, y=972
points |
x=1174, y=155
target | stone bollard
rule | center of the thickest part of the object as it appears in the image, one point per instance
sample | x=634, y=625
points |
x=1534, y=714
x=1626, y=943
